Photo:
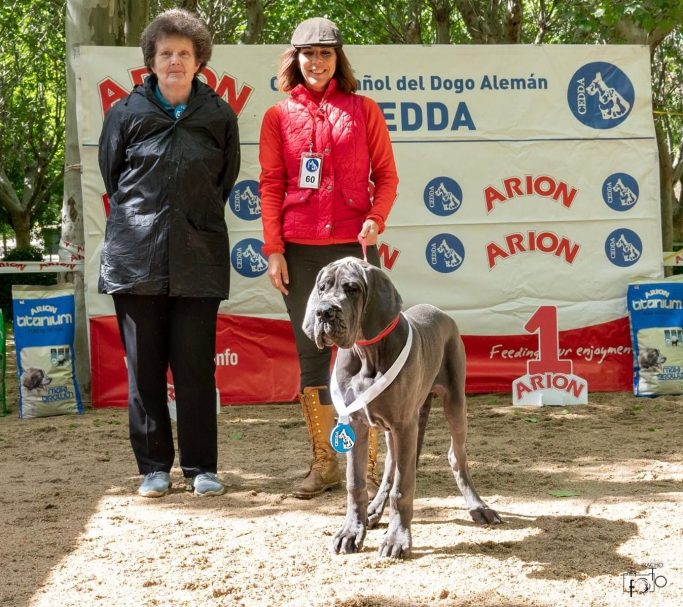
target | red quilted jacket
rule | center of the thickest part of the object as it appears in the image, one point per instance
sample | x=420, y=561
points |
x=336, y=127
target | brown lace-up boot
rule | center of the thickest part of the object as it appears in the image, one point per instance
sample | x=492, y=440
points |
x=324, y=471
x=372, y=480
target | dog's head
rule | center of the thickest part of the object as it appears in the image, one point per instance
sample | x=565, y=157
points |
x=352, y=300
x=35, y=379
x=650, y=359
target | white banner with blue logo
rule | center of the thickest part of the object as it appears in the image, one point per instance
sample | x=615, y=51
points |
x=528, y=177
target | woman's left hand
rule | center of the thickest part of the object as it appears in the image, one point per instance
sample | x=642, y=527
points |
x=369, y=231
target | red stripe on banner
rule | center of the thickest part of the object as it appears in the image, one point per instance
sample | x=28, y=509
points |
x=256, y=360
x=601, y=354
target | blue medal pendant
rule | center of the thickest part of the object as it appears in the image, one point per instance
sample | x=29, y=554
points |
x=342, y=437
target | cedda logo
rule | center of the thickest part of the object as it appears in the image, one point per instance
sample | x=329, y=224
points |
x=623, y=247
x=600, y=95
x=245, y=201
x=247, y=258
x=620, y=191
x=443, y=196
x=445, y=253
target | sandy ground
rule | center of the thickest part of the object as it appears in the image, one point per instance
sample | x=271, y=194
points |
x=588, y=494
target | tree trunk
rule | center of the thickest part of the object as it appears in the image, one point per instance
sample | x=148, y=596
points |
x=413, y=29
x=256, y=21
x=665, y=190
x=21, y=223
x=88, y=22
x=190, y=5
x=441, y=11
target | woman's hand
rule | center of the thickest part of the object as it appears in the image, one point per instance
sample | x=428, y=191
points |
x=369, y=231
x=277, y=272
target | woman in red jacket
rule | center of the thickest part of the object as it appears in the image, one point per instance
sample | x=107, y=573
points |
x=328, y=180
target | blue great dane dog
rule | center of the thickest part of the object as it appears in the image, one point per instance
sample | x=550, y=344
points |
x=355, y=306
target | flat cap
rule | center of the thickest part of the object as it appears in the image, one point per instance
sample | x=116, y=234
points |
x=317, y=31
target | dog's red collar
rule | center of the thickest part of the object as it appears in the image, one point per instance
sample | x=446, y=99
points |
x=390, y=327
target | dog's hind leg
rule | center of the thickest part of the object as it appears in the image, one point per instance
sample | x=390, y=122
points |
x=455, y=409
x=422, y=424
x=376, y=507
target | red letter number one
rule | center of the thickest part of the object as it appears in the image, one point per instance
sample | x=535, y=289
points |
x=544, y=322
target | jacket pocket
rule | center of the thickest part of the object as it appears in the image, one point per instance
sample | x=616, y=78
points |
x=208, y=248
x=356, y=199
x=296, y=197
x=128, y=236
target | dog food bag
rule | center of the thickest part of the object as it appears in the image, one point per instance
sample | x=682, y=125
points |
x=44, y=338
x=655, y=310
x=3, y=366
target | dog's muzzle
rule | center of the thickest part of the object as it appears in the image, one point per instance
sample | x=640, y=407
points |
x=330, y=325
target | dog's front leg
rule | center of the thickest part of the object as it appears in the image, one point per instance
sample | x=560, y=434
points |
x=398, y=541
x=376, y=507
x=351, y=536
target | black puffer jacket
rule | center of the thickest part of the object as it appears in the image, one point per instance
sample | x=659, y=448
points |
x=168, y=181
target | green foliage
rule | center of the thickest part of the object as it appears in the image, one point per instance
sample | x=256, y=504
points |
x=32, y=103
x=34, y=278
x=32, y=81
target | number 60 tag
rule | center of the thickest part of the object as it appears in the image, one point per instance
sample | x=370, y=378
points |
x=311, y=168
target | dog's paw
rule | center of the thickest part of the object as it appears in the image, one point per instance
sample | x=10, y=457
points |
x=396, y=544
x=375, y=511
x=485, y=516
x=349, y=538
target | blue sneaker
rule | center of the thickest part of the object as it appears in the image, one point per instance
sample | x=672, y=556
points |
x=155, y=484
x=205, y=484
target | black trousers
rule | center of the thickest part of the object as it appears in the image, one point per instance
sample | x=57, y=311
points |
x=158, y=331
x=303, y=264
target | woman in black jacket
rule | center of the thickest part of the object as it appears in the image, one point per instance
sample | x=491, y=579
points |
x=169, y=155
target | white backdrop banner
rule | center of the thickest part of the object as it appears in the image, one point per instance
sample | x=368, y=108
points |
x=528, y=177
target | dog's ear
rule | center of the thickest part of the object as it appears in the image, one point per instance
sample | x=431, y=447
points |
x=313, y=300
x=382, y=303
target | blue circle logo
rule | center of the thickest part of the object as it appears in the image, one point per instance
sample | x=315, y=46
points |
x=600, y=95
x=245, y=201
x=247, y=258
x=620, y=191
x=623, y=247
x=342, y=438
x=312, y=165
x=445, y=253
x=442, y=196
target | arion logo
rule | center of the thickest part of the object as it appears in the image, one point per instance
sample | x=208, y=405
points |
x=600, y=95
x=245, y=201
x=623, y=247
x=445, y=253
x=442, y=196
x=620, y=191
x=247, y=258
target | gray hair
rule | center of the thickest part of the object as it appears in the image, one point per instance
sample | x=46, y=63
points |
x=177, y=22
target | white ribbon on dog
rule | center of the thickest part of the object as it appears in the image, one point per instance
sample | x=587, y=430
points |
x=374, y=390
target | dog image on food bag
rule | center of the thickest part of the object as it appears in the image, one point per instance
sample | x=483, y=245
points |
x=651, y=359
x=355, y=306
x=35, y=379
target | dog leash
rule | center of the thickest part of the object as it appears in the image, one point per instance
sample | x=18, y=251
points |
x=343, y=437
x=364, y=246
